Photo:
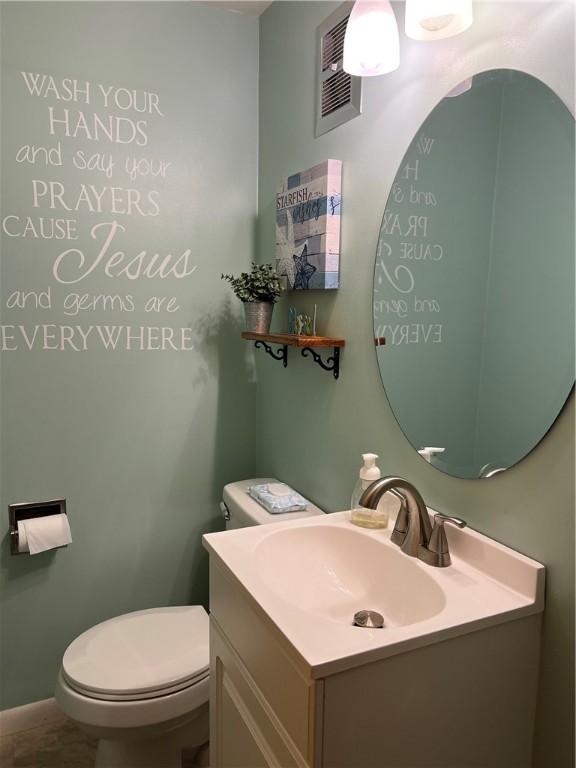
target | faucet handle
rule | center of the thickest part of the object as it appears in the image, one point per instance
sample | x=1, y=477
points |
x=437, y=552
x=440, y=519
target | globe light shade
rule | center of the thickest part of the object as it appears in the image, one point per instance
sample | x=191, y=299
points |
x=437, y=19
x=371, y=43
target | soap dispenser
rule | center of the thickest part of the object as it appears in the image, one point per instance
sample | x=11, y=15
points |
x=367, y=518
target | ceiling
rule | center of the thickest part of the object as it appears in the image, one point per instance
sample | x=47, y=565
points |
x=251, y=7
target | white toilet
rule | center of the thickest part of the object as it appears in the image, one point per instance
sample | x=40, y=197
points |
x=139, y=682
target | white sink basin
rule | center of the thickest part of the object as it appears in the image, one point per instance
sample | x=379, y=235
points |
x=334, y=572
x=310, y=576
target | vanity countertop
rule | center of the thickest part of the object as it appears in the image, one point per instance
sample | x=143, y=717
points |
x=310, y=576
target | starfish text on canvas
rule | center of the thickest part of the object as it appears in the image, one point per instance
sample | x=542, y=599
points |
x=308, y=212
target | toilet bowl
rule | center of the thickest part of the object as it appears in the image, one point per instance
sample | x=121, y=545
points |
x=144, y=706
x=139, y=682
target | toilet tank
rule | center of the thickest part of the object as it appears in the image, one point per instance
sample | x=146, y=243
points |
x=240, y=510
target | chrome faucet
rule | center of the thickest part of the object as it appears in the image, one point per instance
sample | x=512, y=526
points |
x=413, y=532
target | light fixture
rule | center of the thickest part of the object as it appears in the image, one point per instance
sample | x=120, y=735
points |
x=371, y=43
x=437, y=19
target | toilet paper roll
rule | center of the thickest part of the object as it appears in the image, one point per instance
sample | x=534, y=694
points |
x=41, y=533
x=22, y=538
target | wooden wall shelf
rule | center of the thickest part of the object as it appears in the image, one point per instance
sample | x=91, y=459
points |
x=308, y=345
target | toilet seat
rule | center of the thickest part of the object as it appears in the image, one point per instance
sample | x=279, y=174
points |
x=140, y=655
x=140, y=713
x=152, y=694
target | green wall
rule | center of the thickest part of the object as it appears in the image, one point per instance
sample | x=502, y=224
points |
x=139, y=442
x=311, y=428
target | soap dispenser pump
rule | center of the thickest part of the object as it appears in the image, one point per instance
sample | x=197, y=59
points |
x=367, y=518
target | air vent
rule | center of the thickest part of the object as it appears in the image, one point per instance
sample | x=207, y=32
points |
x=333, y=44
x=338, y=93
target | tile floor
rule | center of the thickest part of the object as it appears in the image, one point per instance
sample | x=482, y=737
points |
x=57, y=745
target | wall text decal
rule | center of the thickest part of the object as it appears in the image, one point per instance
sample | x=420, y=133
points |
x=92, y=184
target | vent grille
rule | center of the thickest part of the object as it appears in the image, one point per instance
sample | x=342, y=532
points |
x=333, y=44
x=338, y=93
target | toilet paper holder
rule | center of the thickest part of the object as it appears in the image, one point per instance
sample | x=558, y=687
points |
x=27, y=511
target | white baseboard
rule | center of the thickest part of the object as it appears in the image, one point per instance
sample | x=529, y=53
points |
x=30, y=716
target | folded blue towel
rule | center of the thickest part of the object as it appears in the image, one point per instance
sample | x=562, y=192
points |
x=278, y=498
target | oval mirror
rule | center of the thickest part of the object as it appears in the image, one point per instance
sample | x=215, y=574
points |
x=474, y=275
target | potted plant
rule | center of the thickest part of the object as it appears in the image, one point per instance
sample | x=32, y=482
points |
x=258, y=290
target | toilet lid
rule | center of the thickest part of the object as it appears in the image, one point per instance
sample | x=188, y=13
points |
x=141, y=654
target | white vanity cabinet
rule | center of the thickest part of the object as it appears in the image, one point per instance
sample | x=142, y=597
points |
x=465, y=702
x=264, y=706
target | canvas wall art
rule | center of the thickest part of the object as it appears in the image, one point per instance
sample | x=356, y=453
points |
x=308, y=215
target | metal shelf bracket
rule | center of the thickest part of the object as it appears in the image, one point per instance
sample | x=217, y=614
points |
x=332, y=363
x=280, y=354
